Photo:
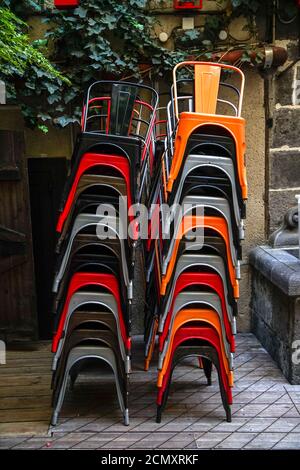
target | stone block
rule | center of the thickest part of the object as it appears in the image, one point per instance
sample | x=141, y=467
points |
x=284, y=168
x=275, y=305
x=286, y=127
x=279, y=202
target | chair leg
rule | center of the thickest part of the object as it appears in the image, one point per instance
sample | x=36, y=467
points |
x=152, y=346
x=228, y=414
x=207, y=367
x=126, y=417
x=200, y=362
x=225, y=403
x=158, y=414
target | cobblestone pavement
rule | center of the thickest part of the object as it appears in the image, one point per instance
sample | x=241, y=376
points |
x=266, y=411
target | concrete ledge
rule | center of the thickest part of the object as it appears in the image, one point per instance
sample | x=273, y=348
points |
x=279, y=267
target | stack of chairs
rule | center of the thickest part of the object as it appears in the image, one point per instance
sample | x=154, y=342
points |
x=194, y=261
x=111, y=170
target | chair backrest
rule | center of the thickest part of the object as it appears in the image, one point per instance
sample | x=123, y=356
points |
x=123, y=97
x=206, y=78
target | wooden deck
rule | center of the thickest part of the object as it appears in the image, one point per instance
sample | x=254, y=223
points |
x=25, y=393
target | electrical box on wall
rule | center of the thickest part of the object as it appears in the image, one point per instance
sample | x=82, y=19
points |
x=66, y=3
x=188, y=4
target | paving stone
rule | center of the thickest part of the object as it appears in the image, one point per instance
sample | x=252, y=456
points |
x=150, y=425
x=265, y=441
x=70, y=440
x=204, y=424
x=34, y=443
x=178, y=424
x=8, y=442
x=86, y=445
x=180, y=441
x=211, y=439
x=261, y=386
x=291, y=441
x=245, y=397
x=235, y=424
x=292, y=388
x=98, y=425
x=275, y=411
x=269, y=397
x=119, y=427
x=202, y=409
x=277, y=387
x=73, y=424
x=256, y=425
x=284, y=399
x=203, y=397
x=284, y=425
x=266, y=411
x=250, y=410
x=294, y=412
x=125, y=440
x=236, y=441
x=154, y=441
x=295, y=397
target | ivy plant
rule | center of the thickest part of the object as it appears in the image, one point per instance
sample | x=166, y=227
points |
x=101, y=39
x=98, y=40
x=24, y=67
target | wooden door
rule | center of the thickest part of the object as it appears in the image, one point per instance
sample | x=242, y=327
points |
x=18, y=318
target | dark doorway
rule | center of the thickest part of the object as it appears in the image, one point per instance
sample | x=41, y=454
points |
x=46, y=180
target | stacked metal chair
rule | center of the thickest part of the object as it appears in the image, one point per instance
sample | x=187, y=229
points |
x=111, y=170
x=203, y=170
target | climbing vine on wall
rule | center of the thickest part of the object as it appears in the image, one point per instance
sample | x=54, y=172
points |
x=23, y=63
x=100, y=39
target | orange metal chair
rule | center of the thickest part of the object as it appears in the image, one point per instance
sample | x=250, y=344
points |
x=188, y=316
x=188, y=223
x=206, y=88
x=193, y=313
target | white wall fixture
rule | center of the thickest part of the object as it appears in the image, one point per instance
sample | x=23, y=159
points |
x=2, y=93
x=188, y=22
x=163, y=36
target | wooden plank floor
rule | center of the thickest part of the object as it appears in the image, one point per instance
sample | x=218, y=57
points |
x=25, y=393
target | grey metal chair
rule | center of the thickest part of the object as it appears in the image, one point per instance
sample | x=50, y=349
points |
x=206, y=352
x=224, y=164
x=187, y=299
x=188, y=262
x=81, y=298
x=81, y=353
x=89, y=244
x=85, y=337
x=189, y=203
x=115, y=229
x=113, y=184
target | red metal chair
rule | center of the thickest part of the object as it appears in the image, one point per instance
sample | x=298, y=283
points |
x=89, y=160
x=79, y=280
x=184, y=337
x=211, y=280
x=188, y=333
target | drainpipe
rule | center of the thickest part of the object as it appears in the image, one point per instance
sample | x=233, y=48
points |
x=272, y=56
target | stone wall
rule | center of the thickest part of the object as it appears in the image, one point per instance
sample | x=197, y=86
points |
x=284, y=139
x=275, y=306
